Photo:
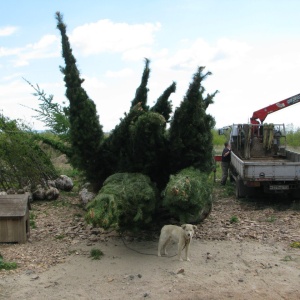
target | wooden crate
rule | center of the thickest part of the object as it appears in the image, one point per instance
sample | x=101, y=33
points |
x=14, y=218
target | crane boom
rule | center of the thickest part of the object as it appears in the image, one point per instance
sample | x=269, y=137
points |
x=261, y=114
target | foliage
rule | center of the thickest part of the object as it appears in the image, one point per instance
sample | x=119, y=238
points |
x=188, y=195
x=52, y=114
x=271, y=219
x=118, y=144
x=55, y=142
x=234, y=219
x=148, y=153
x=86, y=133
x=293, y=138
x=32, y=218
x=190, y=134
x=140, y=143
x=141, y=94
x=163, y=105
x=22, y=161
x=126, y=201
x=295, y=245
x=96, y=253
x=4, y=265
x=218, y=140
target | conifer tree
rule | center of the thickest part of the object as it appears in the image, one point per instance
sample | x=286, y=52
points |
x=141, y=94
x=190, y=134
x=85, y=130
x=163, y=105
x=119, y=142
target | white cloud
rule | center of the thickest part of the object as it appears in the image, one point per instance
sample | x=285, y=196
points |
x=119, y=74
x=8, y=30
x=106, y=36
x=47, y=46
x=9, y=51
x=92, y=83
x=11, y=77
x=248, y=76
x=138, y=54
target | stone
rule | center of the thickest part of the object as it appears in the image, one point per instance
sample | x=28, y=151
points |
x=64, y=183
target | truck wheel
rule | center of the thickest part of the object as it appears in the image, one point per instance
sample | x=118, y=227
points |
x=240, y=189
x=295, y=195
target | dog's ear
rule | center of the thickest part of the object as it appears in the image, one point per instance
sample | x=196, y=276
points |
x=183, y=226
x=195, y=227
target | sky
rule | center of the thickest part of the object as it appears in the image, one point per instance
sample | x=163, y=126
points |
x=252, y=49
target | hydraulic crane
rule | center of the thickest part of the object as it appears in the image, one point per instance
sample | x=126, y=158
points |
x=261, y=114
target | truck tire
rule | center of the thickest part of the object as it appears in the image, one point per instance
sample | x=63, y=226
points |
x=240, y=188
x=295, y=194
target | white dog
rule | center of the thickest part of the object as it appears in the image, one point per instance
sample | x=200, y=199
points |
x=182, y=235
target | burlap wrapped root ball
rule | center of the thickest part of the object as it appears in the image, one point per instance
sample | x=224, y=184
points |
x=188, y=196
x=126, y=201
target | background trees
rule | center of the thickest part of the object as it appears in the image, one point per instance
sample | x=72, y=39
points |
x=22, y=161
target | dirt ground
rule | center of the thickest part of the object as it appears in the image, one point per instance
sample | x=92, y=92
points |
x=241, y=251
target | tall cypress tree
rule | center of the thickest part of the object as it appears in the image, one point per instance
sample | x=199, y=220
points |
x=163, y=105
x=190, y=136
x=119, y=143
x=141, y=94
x=85, y=130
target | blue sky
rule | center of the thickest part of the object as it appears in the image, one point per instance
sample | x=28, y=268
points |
x=251, y=47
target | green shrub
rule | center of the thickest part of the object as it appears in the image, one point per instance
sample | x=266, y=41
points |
x=188, y=195
x=96, y=254
x=295, y=245
x=234, y=219
x=218, y=140
x=126, y=201
x=7, y=265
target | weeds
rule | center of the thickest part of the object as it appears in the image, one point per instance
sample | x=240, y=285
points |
x=271, y=219
x=60, y=203
x=96, y=254
x=78, y=215
x=234, y=219
x=295, y=245
x=60, y=236
x=32, y=220
x=287, y=258
x=7, y=265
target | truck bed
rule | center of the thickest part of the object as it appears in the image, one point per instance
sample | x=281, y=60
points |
x=268, y=168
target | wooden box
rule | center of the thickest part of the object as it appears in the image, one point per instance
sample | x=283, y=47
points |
x=14, y=218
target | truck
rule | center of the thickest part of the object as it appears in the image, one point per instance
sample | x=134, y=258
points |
x=260, y=160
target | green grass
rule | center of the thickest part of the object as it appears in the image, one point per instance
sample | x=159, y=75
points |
x=32, y=218
x=61, y=203
x=287, y=258
x=295, y=245
x=271, y=219
x=60, y=237
x=234, y=219
x=7, y=265
x=96, y=254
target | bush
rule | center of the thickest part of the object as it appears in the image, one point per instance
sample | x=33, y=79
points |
x=7, y=265
x=96, y=254
x=188, y=196
x=126, y=201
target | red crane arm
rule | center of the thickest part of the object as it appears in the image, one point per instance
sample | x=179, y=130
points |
x=261, y=114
